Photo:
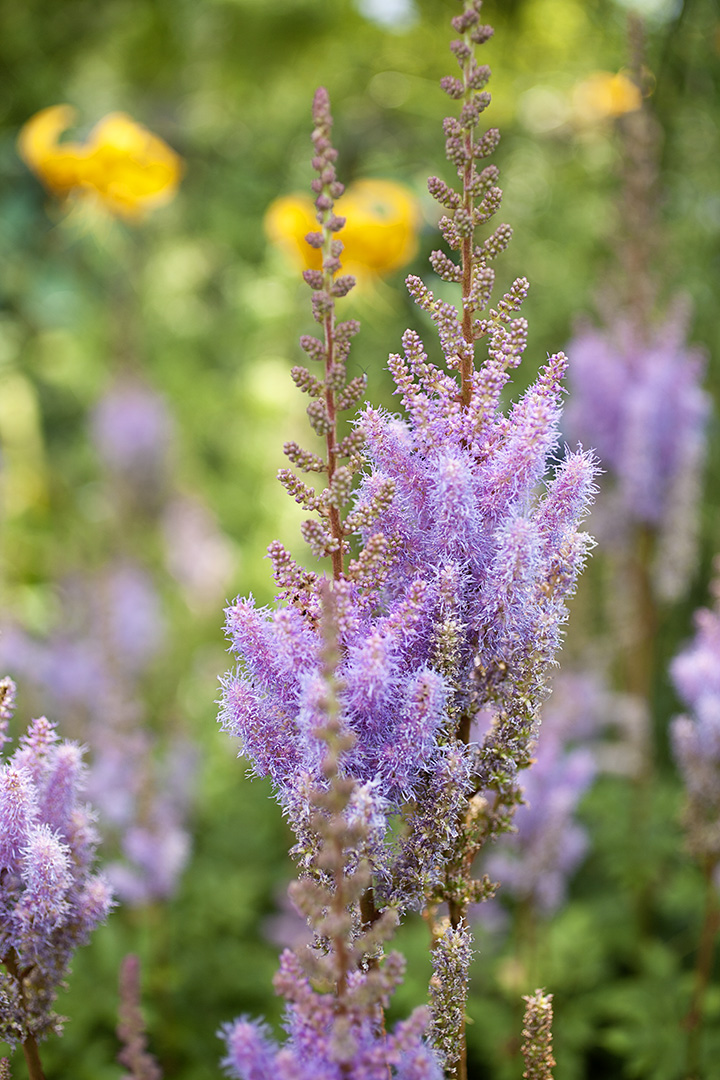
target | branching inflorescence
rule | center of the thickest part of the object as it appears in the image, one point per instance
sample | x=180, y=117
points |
x=338, y=989
x=455, y=601
x=51, y=900
x=635, y=382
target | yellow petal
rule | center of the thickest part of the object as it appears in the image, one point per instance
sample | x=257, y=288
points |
x=57, y=165
x=380, y=235
x=383, y=218
x=131, y=169
x=287, y=222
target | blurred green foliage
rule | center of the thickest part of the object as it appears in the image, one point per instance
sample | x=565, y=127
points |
x=195, y=300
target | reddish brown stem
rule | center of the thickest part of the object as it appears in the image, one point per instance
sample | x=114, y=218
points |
x=336, y=528
x=30, y=1046
x=467, y=364
x=32, y=1059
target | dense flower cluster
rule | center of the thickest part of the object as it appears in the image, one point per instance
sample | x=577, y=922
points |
x=635, y=393
x=132, y=430
x=453, y=602
x=457, y=598
x=131, y=1028
x=639, y=403
x=537, y=1036
x=337, y=989
x=51, y=900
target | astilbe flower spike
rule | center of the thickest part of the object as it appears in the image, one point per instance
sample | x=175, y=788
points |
x=91, y=668
x=635, y=382
x=336, y=989
x=454, y=603
x=496, y=555
x=51, y=900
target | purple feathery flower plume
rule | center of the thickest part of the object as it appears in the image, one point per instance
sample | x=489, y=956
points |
x=458, y=594
x=91, y=670
x=695, y=740
x=337, y=988
x=640, y=405
x=454, y=602
x=51, y=900
x=637, y=399
x=131, y=428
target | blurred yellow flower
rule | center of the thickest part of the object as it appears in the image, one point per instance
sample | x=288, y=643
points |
x=122, y=165
x=604, y=96
x=383, y=219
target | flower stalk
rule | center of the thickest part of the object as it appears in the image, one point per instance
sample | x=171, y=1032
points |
x=451, y=611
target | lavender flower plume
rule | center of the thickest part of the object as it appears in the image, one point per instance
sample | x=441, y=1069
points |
x=336, y=989
x=634, y=381
x=51, y=899
x=131, y=429
x=458, y=594
x=90, y=671
x=451, y=957
x=468, y=520
x=639, y=402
